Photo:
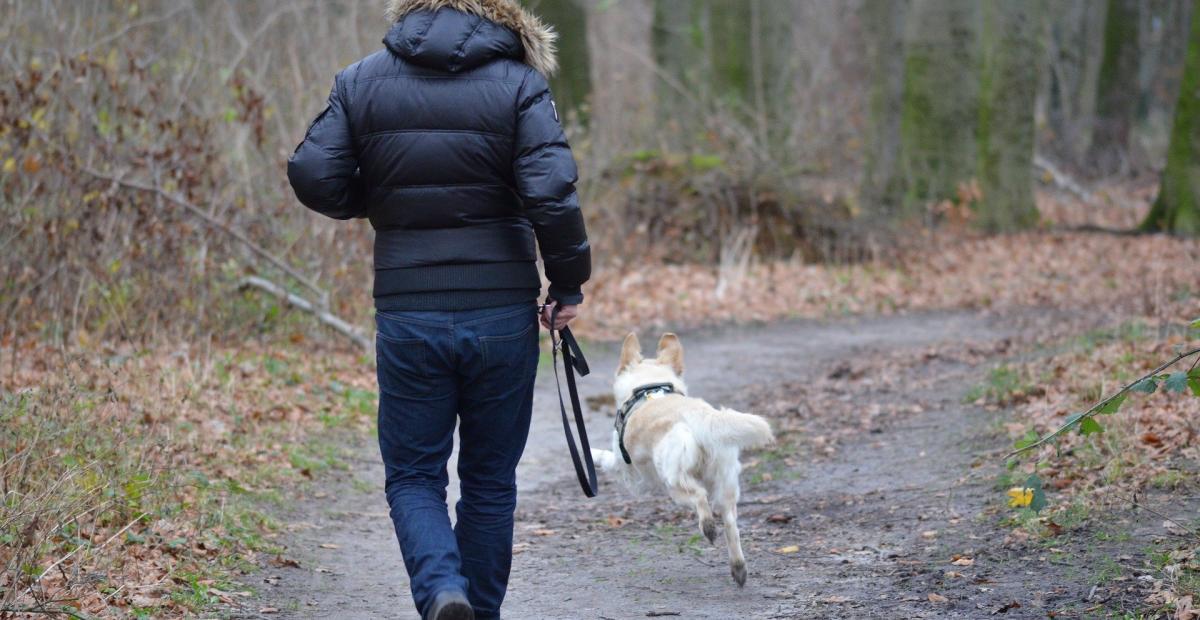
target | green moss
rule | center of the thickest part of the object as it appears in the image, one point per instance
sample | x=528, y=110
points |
x=1177, y=208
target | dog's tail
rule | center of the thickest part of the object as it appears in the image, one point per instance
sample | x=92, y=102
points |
x=744, y=430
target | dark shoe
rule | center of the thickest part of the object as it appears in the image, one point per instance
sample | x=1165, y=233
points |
x=450, y=605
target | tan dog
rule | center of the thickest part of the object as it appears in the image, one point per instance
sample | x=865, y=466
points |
x=681, y=444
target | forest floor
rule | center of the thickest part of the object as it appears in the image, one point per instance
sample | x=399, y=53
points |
x=883, y=498
x=240, y=477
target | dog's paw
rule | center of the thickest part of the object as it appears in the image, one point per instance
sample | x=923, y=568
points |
x=709, y=528
x=738, y=570
x=605, y=459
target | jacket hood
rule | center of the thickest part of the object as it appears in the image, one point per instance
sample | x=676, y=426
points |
x=455, y=35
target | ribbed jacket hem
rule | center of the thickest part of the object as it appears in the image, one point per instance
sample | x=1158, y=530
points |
x=457, y=277
x=456, y=300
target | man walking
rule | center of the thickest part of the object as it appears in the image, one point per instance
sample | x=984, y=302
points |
x=449, y=142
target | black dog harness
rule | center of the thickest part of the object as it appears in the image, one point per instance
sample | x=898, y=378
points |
x=640, y=395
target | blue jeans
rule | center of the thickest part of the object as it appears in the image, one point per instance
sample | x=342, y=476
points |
x=436, y=367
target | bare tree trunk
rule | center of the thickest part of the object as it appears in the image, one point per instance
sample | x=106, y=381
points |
x=1163, y=39
x=1177, y=208
x=684, y=76
x=884, y=27
x=1074, y=49
x=622, y=55
x=1008, y=84
x=1117, y=89
x=939, y=106
x=572, y=83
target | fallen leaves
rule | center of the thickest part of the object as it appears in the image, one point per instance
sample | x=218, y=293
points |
x=1032, y=269
x=283, y=562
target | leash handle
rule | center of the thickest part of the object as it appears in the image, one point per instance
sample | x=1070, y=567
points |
x=573, y=361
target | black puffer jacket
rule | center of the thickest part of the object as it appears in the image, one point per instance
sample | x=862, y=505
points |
x=449, y=141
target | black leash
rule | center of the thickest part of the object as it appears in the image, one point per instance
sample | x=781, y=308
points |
x=573, y=361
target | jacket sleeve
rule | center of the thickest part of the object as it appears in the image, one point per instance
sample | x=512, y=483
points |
x=545, y=175
x=323, y=170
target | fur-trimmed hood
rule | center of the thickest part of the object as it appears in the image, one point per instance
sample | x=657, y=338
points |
x=534, y=40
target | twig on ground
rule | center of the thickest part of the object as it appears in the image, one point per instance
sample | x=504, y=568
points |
x=1064, y=181
x=72, y=552
x=1136, y=504
x=42, y=609
x=324, y=316
x=1074, y=420
x=1061, y=179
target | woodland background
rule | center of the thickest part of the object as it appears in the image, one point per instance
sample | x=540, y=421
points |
x=143, y=143
x=740, y=160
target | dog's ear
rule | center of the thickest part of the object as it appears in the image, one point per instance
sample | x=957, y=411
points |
x=631, y=352
x=670, y=353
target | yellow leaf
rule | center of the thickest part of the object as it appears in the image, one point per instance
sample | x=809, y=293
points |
x=10, y=165
x=789, y=549
x=1019, y=497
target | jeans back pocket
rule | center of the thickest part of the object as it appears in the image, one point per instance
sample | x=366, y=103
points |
x=402, y=366
x=510, y=358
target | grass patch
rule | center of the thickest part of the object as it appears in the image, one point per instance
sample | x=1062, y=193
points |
x=1004, y=385
x=154, y=471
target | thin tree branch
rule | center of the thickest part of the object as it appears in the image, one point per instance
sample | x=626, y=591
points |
x=147, y=21
x=1094, y=408
x=72, y=552
x=219, y=225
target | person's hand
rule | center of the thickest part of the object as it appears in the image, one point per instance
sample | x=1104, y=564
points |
x=565, y=315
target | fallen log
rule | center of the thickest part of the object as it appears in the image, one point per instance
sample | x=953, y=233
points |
x=324, y=316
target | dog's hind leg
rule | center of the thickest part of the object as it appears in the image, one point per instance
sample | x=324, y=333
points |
x=726, y=496
x=689, y=492
x=676, y=458
x=737, y=561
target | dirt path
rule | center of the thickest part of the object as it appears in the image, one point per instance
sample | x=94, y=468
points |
x=875, y=489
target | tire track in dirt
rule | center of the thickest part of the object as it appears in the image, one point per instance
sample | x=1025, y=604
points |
x=861, y=520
